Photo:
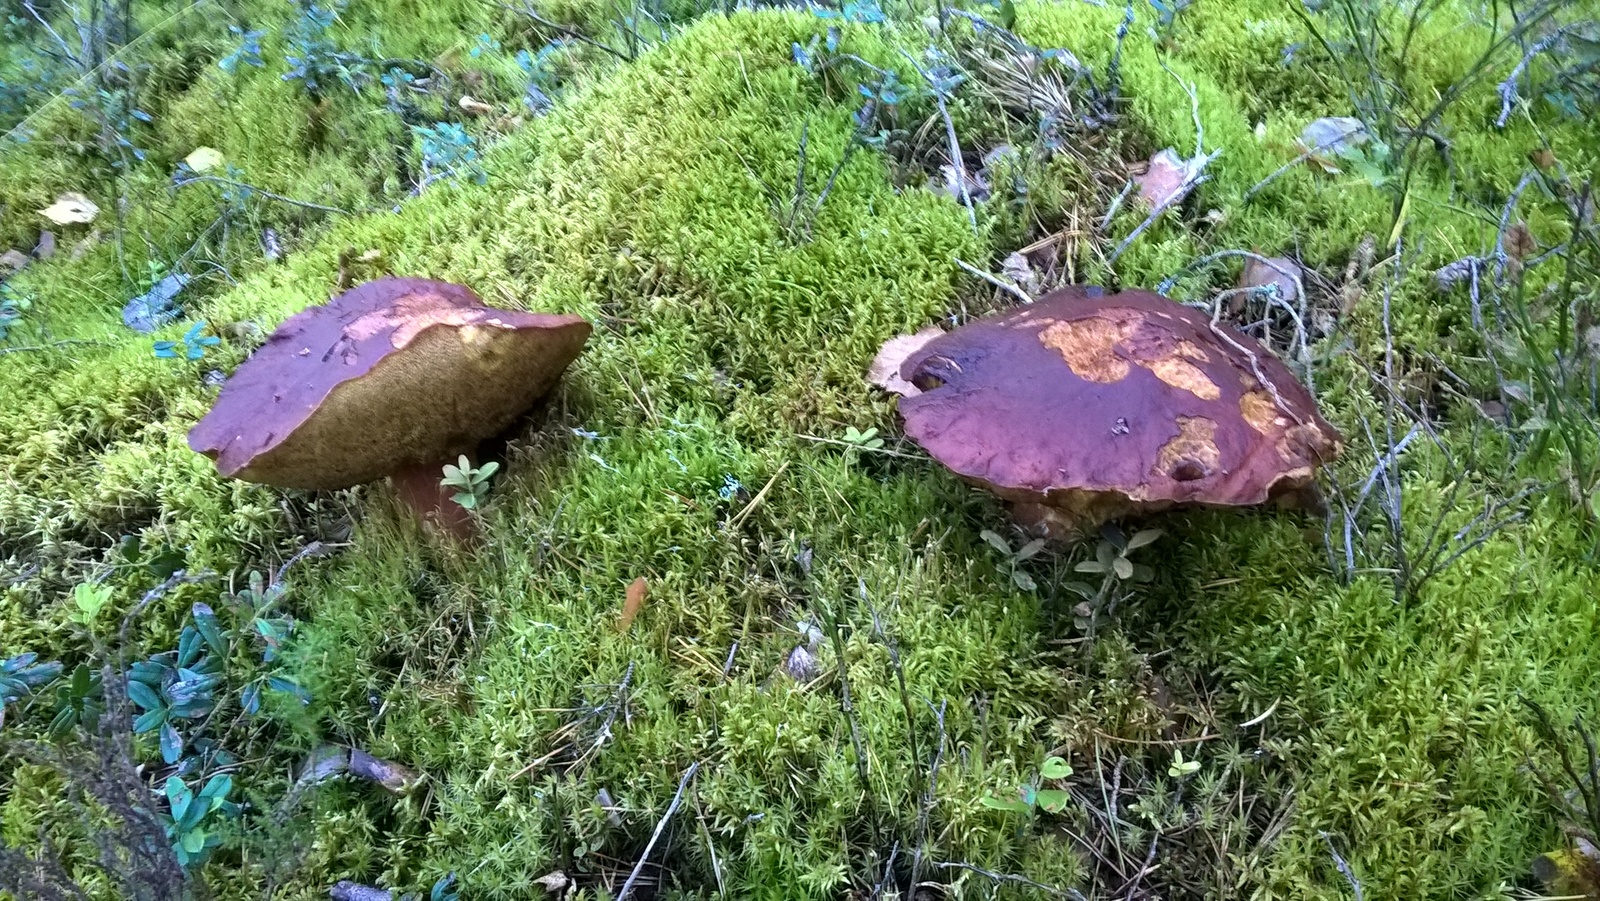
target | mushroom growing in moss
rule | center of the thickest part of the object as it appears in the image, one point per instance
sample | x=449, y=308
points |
x=1086, y=407
x=393, y=378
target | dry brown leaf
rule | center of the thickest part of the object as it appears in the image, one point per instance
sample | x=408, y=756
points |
x=1519, y=241
x=1542, y=158
x=637, y=592
x=1167, y=178
x=1281, y=272
x=71, y=209
x=885, y=369
x=474, y=107
x=554, y=882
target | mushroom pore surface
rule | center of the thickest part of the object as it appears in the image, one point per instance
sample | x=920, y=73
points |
x=393, y=373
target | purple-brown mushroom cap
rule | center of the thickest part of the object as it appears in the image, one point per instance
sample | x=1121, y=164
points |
x=1097, y=406
x=394, y=373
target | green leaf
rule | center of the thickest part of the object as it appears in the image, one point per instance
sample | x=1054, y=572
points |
x=216, y=790
x=1008, y=15
x=1013, y=805
x=1081, y=589
x=189, y=648
x=147, y=671
x=143, y=695
x=1055, y=768
x=89, y=599
x=171, y=744
x=178, y=797
x=466, y=499
x=1140, y=539
x=165, y=563
x=1053, y=800
x=1123, y=567
x=194, y=841
x=486, y=470
x=150, y=720
x=1030, y=550
x=1023, y=581
x=995, y=541
x=205, y=620
x=1089, y=566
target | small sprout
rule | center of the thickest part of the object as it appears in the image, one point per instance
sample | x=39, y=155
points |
x=1180, y=767
x=89, y=599
x=193, y=344
x=1023, y=554
x=868, y=439
x=473, y=483
x=248, y=51
x=1032, y=795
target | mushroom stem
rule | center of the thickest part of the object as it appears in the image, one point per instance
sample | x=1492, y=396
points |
x=418, y=488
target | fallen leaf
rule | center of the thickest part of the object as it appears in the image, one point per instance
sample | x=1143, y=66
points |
x=801, y=664
x=1332, y=135
x=204, y=159
x=156, y=307
x=637, y=592
x=1279, y=272
x=1520, y=242
x=474, y=107
x=13, y=260
x=1542, y=158
x=71, y=209
x=885, y=369
x=554, y=882
x=1020, y=269
x=1167, y=178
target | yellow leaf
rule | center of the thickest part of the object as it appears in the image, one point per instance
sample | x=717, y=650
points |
x=204, y=159
x=1400, y=220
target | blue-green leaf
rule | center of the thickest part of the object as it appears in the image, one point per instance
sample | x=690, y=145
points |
x=142, y=694
x=188, y=646
x=171, y=744
x=178, y=797
x=205, y=620
x=150, y=720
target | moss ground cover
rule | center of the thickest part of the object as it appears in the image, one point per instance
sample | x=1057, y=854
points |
x=699, y=443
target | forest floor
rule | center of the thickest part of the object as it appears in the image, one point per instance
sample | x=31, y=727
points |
x=747, y=202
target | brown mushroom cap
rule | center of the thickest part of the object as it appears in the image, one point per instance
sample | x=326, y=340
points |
x=1101, y=405
x=394, y=373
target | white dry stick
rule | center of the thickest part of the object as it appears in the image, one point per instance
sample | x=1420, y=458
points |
x=677, y=798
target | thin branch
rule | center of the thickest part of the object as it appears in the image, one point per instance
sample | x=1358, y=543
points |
x=1074, y=894
x=304, y=204
x=677, y=798
x=1007, y=287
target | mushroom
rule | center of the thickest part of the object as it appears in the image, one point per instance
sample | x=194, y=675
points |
x=1085, y=407
x=392, y=378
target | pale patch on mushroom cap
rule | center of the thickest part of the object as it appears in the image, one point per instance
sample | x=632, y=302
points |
x=1101, y=405
x=885, y=369
x=393, y=373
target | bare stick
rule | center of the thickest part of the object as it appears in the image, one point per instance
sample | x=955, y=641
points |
x=950, y=137
x=1007, y=287
x=1074, y=894
x=677, y=798
x=304, y=204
